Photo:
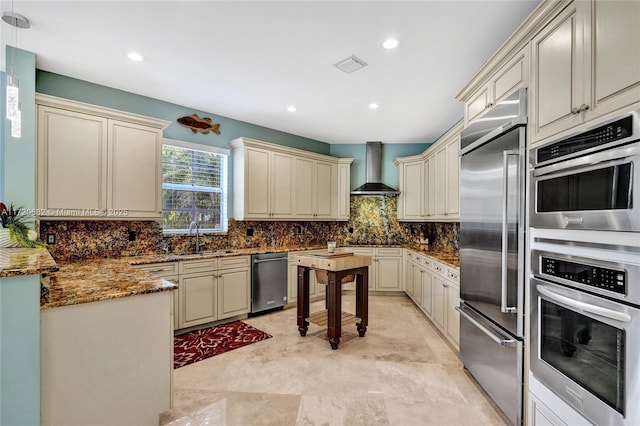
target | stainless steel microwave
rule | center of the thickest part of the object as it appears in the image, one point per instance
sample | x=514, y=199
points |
x=589, y=180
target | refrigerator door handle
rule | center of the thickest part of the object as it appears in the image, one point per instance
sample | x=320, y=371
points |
x=505, y=228
x=500, y=341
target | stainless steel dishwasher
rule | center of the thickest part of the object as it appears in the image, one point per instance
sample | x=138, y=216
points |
x=268, y=281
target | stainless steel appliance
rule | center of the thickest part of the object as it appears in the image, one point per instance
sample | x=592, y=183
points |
x=585, y=322
x=268, y=281
x=589, y=180
x=492, y=227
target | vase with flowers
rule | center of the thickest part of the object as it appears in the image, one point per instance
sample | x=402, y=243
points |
x=14, y=231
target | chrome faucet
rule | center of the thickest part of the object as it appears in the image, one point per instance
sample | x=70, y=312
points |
x=197, y=226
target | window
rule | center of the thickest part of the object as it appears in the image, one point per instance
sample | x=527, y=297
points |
x=194, y=187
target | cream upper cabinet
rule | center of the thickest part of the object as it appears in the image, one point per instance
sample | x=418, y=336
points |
x=278, y=183
x=586, y=64
x=135, y=186
x=430, y=182
x=268, y=184
x=97, y=163
x=413, y=203
x=513, y=75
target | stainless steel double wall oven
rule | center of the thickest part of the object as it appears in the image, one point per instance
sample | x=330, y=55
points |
x=585, y=270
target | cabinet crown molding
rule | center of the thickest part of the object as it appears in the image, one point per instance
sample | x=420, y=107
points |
x=537, y=19
x=81, y=107
x=254, y=143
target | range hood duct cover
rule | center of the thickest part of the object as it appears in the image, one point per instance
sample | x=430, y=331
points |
x=374, y=185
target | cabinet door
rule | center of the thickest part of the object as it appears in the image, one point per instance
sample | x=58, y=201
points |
x=453, y=178
x=615, y=55
x=281, y=202
x=427, y=290
x=412, y=191
x=72, y=153
x=417, y=284
x=433, y=187
x=514, y=74
x=410, y=283
x=197, y=299
x=233, y=292
x=453, y=317
x=343, y=190
x=388, y=273
x=478, y=104
x=438, y=294
x=441, y=176
x=135, y=170
x=303, y=188
x=257, y=184
x=558, y=64
x=324, y=180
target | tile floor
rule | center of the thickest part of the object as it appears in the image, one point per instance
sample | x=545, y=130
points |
x=401, y=373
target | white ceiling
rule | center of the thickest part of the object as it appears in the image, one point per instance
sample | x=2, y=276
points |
x=250, y=60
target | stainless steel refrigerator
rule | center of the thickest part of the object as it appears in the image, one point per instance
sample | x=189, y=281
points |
x=492, y=240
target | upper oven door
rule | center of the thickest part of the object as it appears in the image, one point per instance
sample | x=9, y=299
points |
x=585, y=349
x=595, y=191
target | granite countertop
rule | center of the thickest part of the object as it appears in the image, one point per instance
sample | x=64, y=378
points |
x=25, y=261
x=450, y=258
x=93, y=280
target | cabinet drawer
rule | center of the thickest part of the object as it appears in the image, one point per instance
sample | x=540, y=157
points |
x=396, y=251
x=367, y=251
x=426, y=262
x=453, y=274
x=234, y=262
x=204, y=265
x=160, y=269
x=440, y=269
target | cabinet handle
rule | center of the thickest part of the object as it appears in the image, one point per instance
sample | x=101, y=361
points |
x=583, y=107
x=575, y=110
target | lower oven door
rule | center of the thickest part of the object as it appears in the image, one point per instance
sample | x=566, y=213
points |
x=586, y=349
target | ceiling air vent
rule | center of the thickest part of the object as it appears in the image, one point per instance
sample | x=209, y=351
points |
x=350, y=64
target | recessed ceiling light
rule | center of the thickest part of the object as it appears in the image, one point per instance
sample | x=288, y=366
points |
x=292, y=108
x=135, y=56
x=373, y=105
x=390, y=43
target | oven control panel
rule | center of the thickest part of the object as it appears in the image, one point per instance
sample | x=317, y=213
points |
x=594, y=276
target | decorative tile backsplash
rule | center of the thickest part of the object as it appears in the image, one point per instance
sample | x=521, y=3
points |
x=373, y=221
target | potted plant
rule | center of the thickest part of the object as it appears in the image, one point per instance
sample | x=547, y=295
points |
x=14, y=231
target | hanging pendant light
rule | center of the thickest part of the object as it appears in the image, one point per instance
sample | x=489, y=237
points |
x=13, y=86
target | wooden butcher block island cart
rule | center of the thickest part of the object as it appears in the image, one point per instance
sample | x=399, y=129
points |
x=334, y=270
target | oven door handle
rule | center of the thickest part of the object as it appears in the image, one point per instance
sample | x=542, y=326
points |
x=505, y=229
x=502, y=342
x=586, y=307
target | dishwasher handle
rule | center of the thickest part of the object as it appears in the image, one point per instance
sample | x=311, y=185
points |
x=276, y=259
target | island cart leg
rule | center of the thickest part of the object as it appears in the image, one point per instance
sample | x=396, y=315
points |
x=334, y=325
x=362, y=300
x=303, y=300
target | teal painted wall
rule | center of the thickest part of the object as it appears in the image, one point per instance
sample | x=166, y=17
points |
x=19, y=296
x=390, y=151
x=20, y=350
x=83, y=91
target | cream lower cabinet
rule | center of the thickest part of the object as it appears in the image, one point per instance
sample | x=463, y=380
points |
x=167, y=271
x=213, y=289
x=385, y=272
x=97, y=163
x=435, y=288
x=586, y=64
x=274, y=182
x=316, y=290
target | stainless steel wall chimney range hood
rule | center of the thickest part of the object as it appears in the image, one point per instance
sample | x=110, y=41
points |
x=374, y=185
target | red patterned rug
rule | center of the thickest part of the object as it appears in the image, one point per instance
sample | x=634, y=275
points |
x=202, y=344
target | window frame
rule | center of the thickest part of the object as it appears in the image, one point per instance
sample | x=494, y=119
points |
x=224, y=185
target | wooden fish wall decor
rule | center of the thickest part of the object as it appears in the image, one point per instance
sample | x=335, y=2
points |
x=197, y=124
